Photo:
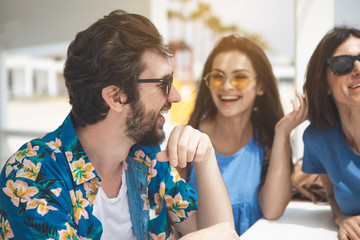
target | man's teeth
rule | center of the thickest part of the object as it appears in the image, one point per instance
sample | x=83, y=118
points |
x=164, y=111
x=229, y=98
x=355, y=86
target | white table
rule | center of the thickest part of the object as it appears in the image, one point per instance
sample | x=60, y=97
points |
x=301, y=220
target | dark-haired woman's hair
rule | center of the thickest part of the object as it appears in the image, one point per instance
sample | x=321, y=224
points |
x=109, y=52
x=322, y=110
x=269, y=108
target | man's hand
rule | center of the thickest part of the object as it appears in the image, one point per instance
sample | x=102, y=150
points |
x=186, y=144
x=223, y=231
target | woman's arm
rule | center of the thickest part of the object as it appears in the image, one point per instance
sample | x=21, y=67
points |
x=275, y=193
x=349, y=226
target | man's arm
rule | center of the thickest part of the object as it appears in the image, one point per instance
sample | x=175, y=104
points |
x=189, y=145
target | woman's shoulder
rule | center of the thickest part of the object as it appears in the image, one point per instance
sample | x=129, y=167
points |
x=314, y=132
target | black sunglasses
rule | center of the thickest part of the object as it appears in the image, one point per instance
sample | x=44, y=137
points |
x=166, y=83
x=343, y=64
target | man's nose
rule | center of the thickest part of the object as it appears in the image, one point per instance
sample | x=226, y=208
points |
x=174, y=95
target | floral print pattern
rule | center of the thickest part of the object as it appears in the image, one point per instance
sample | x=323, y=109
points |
x=48, y=187
x=5, y=230
x=169, y=199
x=19, y=191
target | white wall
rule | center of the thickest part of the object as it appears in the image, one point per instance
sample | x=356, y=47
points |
x=46, y=27
x=37, y=22
x=313, y=19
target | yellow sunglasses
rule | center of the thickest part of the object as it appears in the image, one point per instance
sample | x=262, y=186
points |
x=215, y=79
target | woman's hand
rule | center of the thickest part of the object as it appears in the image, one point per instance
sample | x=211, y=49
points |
x=349, y=227
x=275, y=193
x=297, y=116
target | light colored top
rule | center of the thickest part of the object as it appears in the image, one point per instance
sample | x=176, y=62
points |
x=241, y=173
x=117, y=221
x=326, y=151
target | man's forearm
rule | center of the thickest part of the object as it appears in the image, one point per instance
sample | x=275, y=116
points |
x=213, y=200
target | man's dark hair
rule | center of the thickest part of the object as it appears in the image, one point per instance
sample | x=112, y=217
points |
x=107, y=53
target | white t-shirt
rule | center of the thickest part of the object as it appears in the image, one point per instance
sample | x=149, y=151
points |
x=114, y=214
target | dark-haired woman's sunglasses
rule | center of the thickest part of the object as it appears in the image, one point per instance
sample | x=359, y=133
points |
x=166, y=83
x=343, y=64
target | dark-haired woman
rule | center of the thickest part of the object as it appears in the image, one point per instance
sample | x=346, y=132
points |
x=332, y=141
x=238, y=107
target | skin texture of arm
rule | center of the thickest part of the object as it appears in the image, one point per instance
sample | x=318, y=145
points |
x=189, y=145
x=349, y=226
x=275, y=193
x=215, y=232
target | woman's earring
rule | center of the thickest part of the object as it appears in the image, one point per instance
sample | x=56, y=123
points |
x=255, y=109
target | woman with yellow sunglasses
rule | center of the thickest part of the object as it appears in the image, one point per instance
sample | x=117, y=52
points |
x=238, y=107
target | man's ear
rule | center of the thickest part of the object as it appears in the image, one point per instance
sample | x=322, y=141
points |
x=114, y=97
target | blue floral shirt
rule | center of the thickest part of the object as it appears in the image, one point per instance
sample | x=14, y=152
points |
x=48, y=188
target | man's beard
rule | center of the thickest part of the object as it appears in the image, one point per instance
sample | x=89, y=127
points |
x=141, y=127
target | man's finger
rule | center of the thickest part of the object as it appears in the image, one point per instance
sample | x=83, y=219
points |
x=163, y=156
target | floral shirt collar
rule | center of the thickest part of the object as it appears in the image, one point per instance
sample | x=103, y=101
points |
x=80, y=165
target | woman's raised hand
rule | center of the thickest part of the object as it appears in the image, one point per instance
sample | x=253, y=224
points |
x=298, y=115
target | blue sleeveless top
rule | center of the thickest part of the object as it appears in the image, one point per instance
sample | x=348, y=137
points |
x=241, y=173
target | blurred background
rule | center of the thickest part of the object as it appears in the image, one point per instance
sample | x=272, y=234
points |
x=34, y=36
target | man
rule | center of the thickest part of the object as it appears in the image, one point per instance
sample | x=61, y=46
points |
x=93, y=177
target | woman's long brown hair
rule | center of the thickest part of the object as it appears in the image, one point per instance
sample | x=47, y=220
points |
x=269, y=109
